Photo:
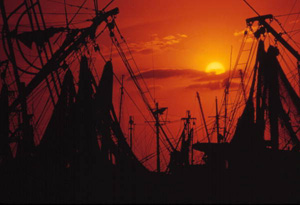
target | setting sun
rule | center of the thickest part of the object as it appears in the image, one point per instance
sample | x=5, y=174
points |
x=215, y=67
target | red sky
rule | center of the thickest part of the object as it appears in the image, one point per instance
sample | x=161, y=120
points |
x=172, y=43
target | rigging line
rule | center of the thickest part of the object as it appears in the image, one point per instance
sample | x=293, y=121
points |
x=288, y=16
x=295, y=22
x=81, y=7
x=52, y=13
x=66, y=14
x=288, y=67
x=96, y=6
x=128, y=67
x=43, y=112
x=133, y=76
x=71, y=19
x=172, y=136
x=251, y=7
x=108, y=5
x=39, y=90
x=72, y=5
x=284, y=31
x=153, y=76
x=139, y=110
x=51, y=23
x=152, y=155
x=249, y=62
x=94, y=67
x=238, y=58
x=134, y=103
x=121, y=83
x=136, y=66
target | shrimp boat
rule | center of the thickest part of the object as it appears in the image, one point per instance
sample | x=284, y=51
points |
x=61, y=139
x=262, y=157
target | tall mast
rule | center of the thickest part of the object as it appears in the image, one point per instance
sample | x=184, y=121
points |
x=157, y=112
x=133, y=76
x=217, y=122
x=203, y=117
x=121, y=99
x=226, y=92
x=131, y=124
x=157, y=139
x=189, y=132
x=27, y=131
x=225, y=111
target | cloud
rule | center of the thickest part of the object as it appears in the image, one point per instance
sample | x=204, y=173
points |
x=211, y=85
x=169, y=73
x=242, y=32
x=214, y=85
x=211, y=76
x=169, y=37
x=200, y=78
x=147, y=47
x=239, y=33
x=182, y=35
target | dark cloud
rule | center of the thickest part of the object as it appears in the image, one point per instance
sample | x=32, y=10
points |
x=148, y=47
x=206, y=86
x=156, y=87
x=211, y=76
x=212, y=85
x=195, y=75
x=169, y=73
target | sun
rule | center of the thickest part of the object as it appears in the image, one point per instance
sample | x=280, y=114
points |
x=215, y=67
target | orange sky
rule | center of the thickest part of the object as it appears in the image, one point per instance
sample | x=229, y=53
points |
x=174, y=41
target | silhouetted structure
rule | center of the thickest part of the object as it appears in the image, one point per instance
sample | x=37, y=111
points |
x=82, y=155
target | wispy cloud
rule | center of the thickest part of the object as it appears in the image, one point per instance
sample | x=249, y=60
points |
x=206, y=85
x=243, y=32
x=194, y=79
x=239, y=33
x=194, y=75
x=169, y=73
x=210, y=85
x=147, y=47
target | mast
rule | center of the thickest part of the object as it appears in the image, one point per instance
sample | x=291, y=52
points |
x=157, y=139
x=121, y=98
x=131, y=124
x=186, y=143
x=27, y=132
x=226, y=92
x=217, y=122
x=203, y=117
x=157, y=112
x=133, y=75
